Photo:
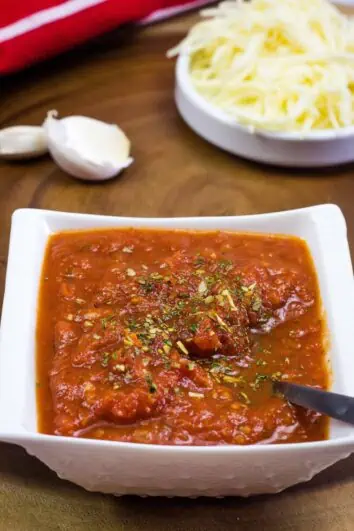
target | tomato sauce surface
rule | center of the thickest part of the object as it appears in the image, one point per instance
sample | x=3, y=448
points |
x=174, y=337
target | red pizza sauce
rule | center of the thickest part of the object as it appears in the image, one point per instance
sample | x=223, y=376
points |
x=174, y=337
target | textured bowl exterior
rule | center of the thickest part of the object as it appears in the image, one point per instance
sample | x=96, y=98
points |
x=128, y=468
x=319, y=150
x=171, y=472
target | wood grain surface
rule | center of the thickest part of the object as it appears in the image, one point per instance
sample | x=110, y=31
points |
x=125, y=78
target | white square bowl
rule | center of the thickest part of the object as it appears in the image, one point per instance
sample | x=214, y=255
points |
x=131, y=468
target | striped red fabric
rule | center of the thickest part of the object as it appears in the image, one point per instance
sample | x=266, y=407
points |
x=33, y=30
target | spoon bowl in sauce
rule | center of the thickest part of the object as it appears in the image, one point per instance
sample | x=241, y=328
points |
x=340, y=407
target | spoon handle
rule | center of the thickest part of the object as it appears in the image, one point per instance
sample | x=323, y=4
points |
x=337, y=406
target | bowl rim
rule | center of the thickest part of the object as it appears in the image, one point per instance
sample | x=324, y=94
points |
x=16, y=433
x=183, y=79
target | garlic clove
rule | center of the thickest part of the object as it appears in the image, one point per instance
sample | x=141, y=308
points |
x=87, y=148
x=22, y=142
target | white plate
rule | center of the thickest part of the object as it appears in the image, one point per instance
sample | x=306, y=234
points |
x=129, y=468
x=315, y=149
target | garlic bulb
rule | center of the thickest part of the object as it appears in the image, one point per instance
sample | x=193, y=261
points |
x=22, y=142
x=87, y=148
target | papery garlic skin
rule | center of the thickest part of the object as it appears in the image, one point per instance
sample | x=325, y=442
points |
x=22, y=142
x=87, y=148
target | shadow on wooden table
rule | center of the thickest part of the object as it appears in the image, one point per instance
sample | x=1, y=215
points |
x=27, y=483
x=67, y=64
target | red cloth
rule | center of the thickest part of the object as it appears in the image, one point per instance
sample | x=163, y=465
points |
x=33, y=30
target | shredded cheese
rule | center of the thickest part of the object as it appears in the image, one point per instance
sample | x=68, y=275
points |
x=277, y=65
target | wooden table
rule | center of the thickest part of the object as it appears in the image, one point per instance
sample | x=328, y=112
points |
x=127, y=79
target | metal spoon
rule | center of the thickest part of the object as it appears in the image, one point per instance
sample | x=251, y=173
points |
x=339, y=407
